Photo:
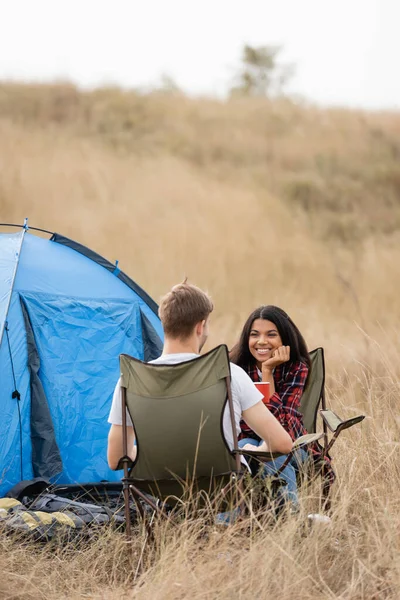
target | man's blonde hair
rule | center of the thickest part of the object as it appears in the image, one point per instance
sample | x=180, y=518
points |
x=182, y=308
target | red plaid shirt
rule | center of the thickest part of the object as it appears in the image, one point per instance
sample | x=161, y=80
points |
x=289, y=379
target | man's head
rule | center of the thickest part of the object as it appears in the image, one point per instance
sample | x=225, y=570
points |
x=184, y=313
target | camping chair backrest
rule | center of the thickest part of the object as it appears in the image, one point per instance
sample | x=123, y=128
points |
x=177, y=415
x=314, y=391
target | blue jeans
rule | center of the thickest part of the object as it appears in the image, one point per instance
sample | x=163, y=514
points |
x=287, y=493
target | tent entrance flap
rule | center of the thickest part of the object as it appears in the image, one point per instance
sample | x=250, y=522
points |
x=78, y=342
x=46, y=458
x=152, y=345
x=10, y=251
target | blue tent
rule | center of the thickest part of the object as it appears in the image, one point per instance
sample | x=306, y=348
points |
x=66, y=314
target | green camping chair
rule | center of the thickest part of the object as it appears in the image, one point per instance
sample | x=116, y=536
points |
x=177, y=415
x=312, y=399
x=314, y=396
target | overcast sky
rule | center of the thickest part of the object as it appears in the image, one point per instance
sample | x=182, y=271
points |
x=346, y=52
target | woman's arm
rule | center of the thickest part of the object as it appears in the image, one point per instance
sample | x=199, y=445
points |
x=268, y=428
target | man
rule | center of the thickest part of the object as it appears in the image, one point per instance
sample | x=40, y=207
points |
x=184, y=313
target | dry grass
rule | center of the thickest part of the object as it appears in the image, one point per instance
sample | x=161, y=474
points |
x=259, y=203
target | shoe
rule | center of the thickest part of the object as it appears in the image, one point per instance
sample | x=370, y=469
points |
x=316, y=518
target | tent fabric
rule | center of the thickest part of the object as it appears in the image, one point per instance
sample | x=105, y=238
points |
x=80, y=317
x=60, y=239
x=46, y=459
x=152, y=346
x=14, y=433
x=10, y=245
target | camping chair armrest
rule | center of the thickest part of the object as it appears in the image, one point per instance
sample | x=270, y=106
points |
x=306, y=440
x=262, y=456
x=336, y=424
x=301, y=442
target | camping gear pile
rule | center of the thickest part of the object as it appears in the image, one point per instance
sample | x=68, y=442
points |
x=38, y=511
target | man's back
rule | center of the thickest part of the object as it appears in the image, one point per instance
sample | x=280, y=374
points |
x=244, y=393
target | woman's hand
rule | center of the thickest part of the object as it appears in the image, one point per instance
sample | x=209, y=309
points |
x=279, y=356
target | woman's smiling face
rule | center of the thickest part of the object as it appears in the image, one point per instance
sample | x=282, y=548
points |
x=264, y=338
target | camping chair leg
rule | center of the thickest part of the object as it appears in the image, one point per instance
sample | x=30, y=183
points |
x=138, y=495
x=125, y=461
x=141, y=511
x=333, y=440
x=326, y=491
x=125, y=486
x=324, y=425
x=128, y=524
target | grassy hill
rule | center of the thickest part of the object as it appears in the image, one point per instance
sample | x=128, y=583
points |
x=259, y=202
x=256, y=200
x=341, y=165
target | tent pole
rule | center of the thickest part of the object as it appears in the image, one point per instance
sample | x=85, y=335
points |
x=2, y=325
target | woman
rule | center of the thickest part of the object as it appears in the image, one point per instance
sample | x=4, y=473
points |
x=271, y=348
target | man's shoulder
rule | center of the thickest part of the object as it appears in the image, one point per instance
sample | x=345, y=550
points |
x=171, y=359
x=239, y=373
x=243, y=388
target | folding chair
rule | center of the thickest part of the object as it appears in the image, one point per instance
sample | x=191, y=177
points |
x=177, y=413
x=313, y=397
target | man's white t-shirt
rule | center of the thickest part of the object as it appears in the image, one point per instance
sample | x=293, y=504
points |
x=244, y=395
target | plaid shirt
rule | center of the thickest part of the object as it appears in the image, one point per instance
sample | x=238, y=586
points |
x=289, y=379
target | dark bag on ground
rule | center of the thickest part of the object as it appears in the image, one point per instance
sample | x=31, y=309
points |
x=30, y=509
